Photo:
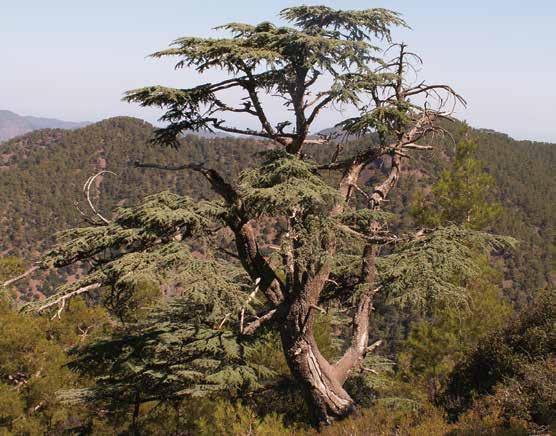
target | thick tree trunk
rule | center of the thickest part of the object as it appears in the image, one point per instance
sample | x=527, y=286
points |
x=325, y=396
x=318, y=379
x=322, y=382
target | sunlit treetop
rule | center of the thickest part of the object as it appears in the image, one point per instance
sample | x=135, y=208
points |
x=332, y=248
x=324, y=58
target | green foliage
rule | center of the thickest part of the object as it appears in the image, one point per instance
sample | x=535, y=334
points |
x=512, y=369
x=380, y=120
x=361, y=219
x=284, y=184
x=44, y=173
x=10, y=266
x=228, y=419
x=32, y=367
x=433, y=268
x=436, y=345
x=161, y=217
x=463, y=195
x=181, y=298
x=181, y=350
x=322, y=19
x=439, y=342
x=132, y=303
x=430, y=270
x=276, y=60
x=30, y=174
x=386, y=418
x=212, y=284
x=175, y=352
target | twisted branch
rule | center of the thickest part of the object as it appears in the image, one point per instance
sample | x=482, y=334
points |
x=87, y=193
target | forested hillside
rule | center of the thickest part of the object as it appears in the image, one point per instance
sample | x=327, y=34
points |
x=524, y=173
x=42, y=176
x=392, y=275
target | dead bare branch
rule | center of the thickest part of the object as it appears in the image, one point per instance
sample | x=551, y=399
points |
x=87, y=193
x=249, y=299
x=320, y=309
x=252, y=327
x=413, y=146
x=61, y=300
x=373, y=346
x=21, y=276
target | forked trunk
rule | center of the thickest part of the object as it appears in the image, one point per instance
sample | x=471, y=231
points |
x=327, y=399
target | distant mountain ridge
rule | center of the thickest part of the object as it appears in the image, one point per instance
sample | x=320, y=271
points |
x=12, y=124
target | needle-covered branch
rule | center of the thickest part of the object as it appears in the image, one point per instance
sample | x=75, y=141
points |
x=291, y=59
x=326, y=247
x=248, y=250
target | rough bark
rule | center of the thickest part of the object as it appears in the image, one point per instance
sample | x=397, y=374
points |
x=327, y=399
x=322, y=382
x=255, y=263
x=321, y=386
x=354, y=355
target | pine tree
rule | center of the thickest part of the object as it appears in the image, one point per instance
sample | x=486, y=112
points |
x=33, y=365
x=435, y=345
x=462, y=196
x=464, y=193
x=330, y=253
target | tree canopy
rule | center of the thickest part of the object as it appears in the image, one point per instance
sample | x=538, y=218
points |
x=333, y=248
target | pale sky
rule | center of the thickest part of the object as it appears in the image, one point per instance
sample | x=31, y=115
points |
x=73, y=60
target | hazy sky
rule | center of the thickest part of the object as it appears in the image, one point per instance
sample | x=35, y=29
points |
x=72, y=59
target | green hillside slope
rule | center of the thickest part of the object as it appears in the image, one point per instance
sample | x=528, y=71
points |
x=42, y=176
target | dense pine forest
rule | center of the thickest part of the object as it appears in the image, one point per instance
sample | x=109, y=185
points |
x=43, y=174
x=391, y=275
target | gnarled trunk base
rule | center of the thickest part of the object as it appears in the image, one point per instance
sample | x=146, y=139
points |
x=322, y=388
